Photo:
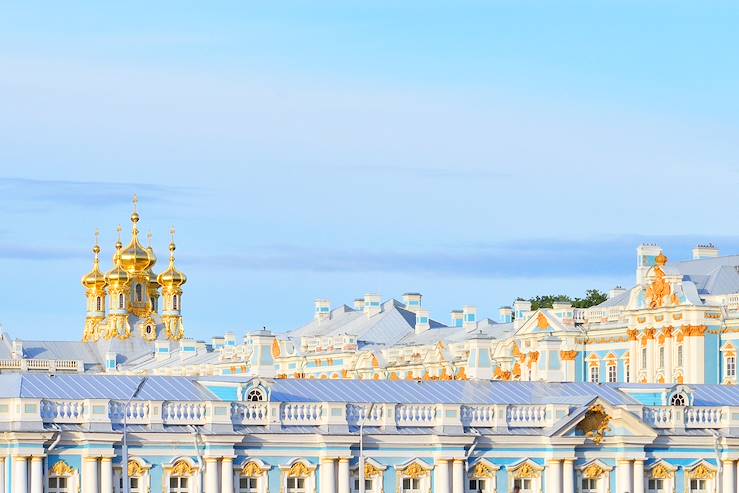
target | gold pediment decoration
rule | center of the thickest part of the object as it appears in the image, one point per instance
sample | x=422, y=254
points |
x=595, y=424
x=541, y=322
x=251, y=470
x=135, y=470
x=526, y=471
x=568, y=355
x=61, y=468
x=659, y=293
x=482, y=471
x=661, y=471
x=298, y=470
x=593, y=471
x=701, y=472
x=370, y=471
x=183, y=469
x=414, y=471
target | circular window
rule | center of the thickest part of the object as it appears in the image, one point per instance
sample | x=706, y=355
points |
x=255, y=395
x=678, y=400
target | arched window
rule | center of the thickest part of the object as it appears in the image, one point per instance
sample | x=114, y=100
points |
x=731, y=366
x=174, y=302
x=678, y=400
x=121, y=299
x=594, y=372
x=255, y=395
x=139, y=296
x=99, y=303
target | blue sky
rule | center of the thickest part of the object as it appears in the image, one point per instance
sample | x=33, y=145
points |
x=473, y=151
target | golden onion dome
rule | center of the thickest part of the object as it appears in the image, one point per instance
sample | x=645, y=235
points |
x=135, y=258
x=153, y=257
x=95, y=278
x=172, y=277
x=117, y=274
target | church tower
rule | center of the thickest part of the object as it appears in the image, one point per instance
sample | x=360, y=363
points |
x=118, y=280
x=172, y=281
x=94, y=283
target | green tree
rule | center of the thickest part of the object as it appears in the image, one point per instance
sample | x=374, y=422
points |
x=592, y=297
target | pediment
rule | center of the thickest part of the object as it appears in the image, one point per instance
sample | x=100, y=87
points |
x=598, y=423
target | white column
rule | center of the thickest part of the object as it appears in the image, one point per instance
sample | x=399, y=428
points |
x=554, y=477
x=227, y=475
x=568, y=475
x=668, y=359
x=442, y=476
x=2, y=474
x=90, y=475
x=638, y=476
x=344, y=475
x=623, y=476
x=458, y=476
x=37, y=474
x=106, y=474
x=20, y=475
x=634, y=356
x=727, y=485
x=651, y=356
x=328, y=481
x=211, y=475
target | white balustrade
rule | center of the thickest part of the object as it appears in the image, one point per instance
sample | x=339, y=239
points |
x=185, y=413
x=250, y=413
x=703, y=417
x=478, y=415
x=415, y=414
x=301, y=413
x=62, y=411
x=527, y=415
x=659, y=416
x=372, y=415
x=137, y=412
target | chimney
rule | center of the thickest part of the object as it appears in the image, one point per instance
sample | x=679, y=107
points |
x=229, y=339
x=646, y=253
x=469, y=316
x=188, y=348
x=457, y=318
x=261, y=359
x=17, y=349
x=521, y=310
x=372, y=304
x=217, y=342
x=161, y=350
x=412, y=301
x=359, y=304
x=422, y=321
x=322, y=309
x=111, y=360
x=617, y=291
x=505, y=314
x=708, y=250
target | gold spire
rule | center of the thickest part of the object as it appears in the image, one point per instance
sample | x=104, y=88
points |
x=172, y=277
x=135, y=258
x=95, y=278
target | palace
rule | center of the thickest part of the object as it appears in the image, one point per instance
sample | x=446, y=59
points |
x=635, y=395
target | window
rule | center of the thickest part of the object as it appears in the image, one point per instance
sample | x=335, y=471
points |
x=594, y=372
x=99, y=303
x=643, y=357
x=476, y=485
x=627, y=371
x=174, y=302
x=411, y=485
x=138, y=293
x=612, y=373
x=523, y=484
x=367, y=485
x=731, y=366
x=248, y=485
x=121, y=299
x=58, y=485
x=178, y=484
x=698, y=486
x=680, y=355
x=678, y=400
x=295, y=485
x=656, y=486
x=134, y=485
x=662, y=357
x=255, y=395
x=589, y=485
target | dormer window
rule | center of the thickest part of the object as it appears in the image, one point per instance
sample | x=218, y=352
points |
x=679, y=399
x=255, y=395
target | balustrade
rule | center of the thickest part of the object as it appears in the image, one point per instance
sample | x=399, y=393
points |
x=250, y=413
x=186, y=413
x=527, y=415
x=415, y=414
x=478, y=415
x=302, y=413
x=62, y=411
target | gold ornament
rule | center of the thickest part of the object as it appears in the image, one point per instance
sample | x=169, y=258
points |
x=152, y=334
x=541, y=321
x=701, y=472
x=661, y=471
x=182, y=468
x=525, y=471
x=251, y=470
x=568, y=355
x=371, y=471
x=414, y=471
x=595, y=424
x=659, y=289
x=61, y=468
x=593, y=471
x=298, y=470
x=135, y=470
x=482, y=471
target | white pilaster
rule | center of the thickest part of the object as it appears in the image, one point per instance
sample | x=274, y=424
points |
x=343, y=475
x=727, y=474
x=227, y=475
x=20, y=475
x=554, y=477
x=668, y=359
x=90, y=475
x=623, y=476
x=634, y=356
x=638, y=476
x=442, y=476
x=650, y=359
x=211, y=475
x=458, y=476
x=2, y=474
x=568, y=475
x=328, y=475
x=106, y=474
x=37, y=474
